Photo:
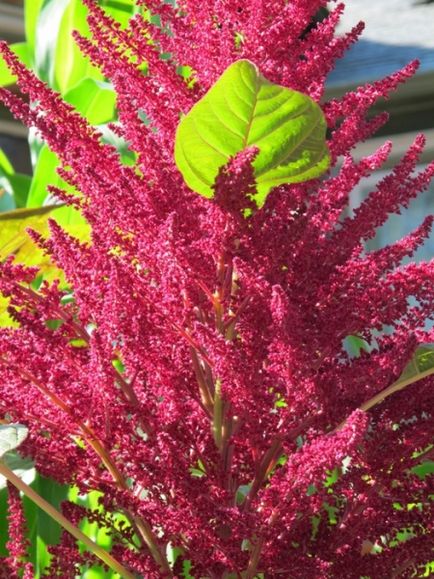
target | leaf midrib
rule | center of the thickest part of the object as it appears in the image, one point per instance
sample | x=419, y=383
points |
x=254, y=105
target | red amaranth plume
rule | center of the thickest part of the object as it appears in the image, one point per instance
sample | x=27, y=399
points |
x=17, y=543
x=193, y=367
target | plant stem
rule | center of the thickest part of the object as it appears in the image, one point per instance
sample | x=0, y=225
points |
x=381, y=396
x=98, y=447
x=63, y=521
x=147, y=535
x=263, y=469
x=204, y=389
x=254, y=558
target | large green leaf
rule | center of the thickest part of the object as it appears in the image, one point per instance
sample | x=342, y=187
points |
x=243, y=109
x=43, y=530
x=101, y=536
x=121, y=10
x=15, y=241
x=70, y=66
x=45, y=174
x=20, y=187
x=32, y=9
x=93, y=99
x=46, y=37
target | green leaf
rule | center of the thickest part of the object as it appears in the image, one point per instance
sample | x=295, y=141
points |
x=32, y=8
x=11, y=436
x=127, y=156
x=20, y=185
x=355, y=345
x=43, y=530
x=14, y=238
x=15, y=241
x=5, y=164
x=101, y=535
x=47, y=36
x=424, y=469
x=243, y=109
x=14, y=189
x=70, y=65
x=44, y=174
x=121, y=10
x=93, y=99
x=21, y=49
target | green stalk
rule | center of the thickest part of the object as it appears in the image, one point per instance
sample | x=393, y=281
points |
x=98, y=551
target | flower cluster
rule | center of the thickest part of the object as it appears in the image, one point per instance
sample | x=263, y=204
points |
x=198, y=376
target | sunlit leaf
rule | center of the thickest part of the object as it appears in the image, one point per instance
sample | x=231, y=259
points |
x=95, y=100
x=15, y=240
x=70, y=65
x=43, y=530
x=244, y=109
x=46, y=36
x=32, y=9
x=421, y=361
x=5, y=164
x=45, y=174
x=101, y=535
x=121, y=10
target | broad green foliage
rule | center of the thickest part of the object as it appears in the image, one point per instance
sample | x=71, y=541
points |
x=70, y=66
x=32, y=9
x=43, y=530
x=93, y=99
x=243, y=109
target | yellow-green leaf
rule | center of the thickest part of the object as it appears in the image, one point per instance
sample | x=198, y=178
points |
x=243, y=109
x=14, y=240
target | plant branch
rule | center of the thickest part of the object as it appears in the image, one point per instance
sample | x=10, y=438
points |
x=65, y=523
x=98, y=447
x=381, y=396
